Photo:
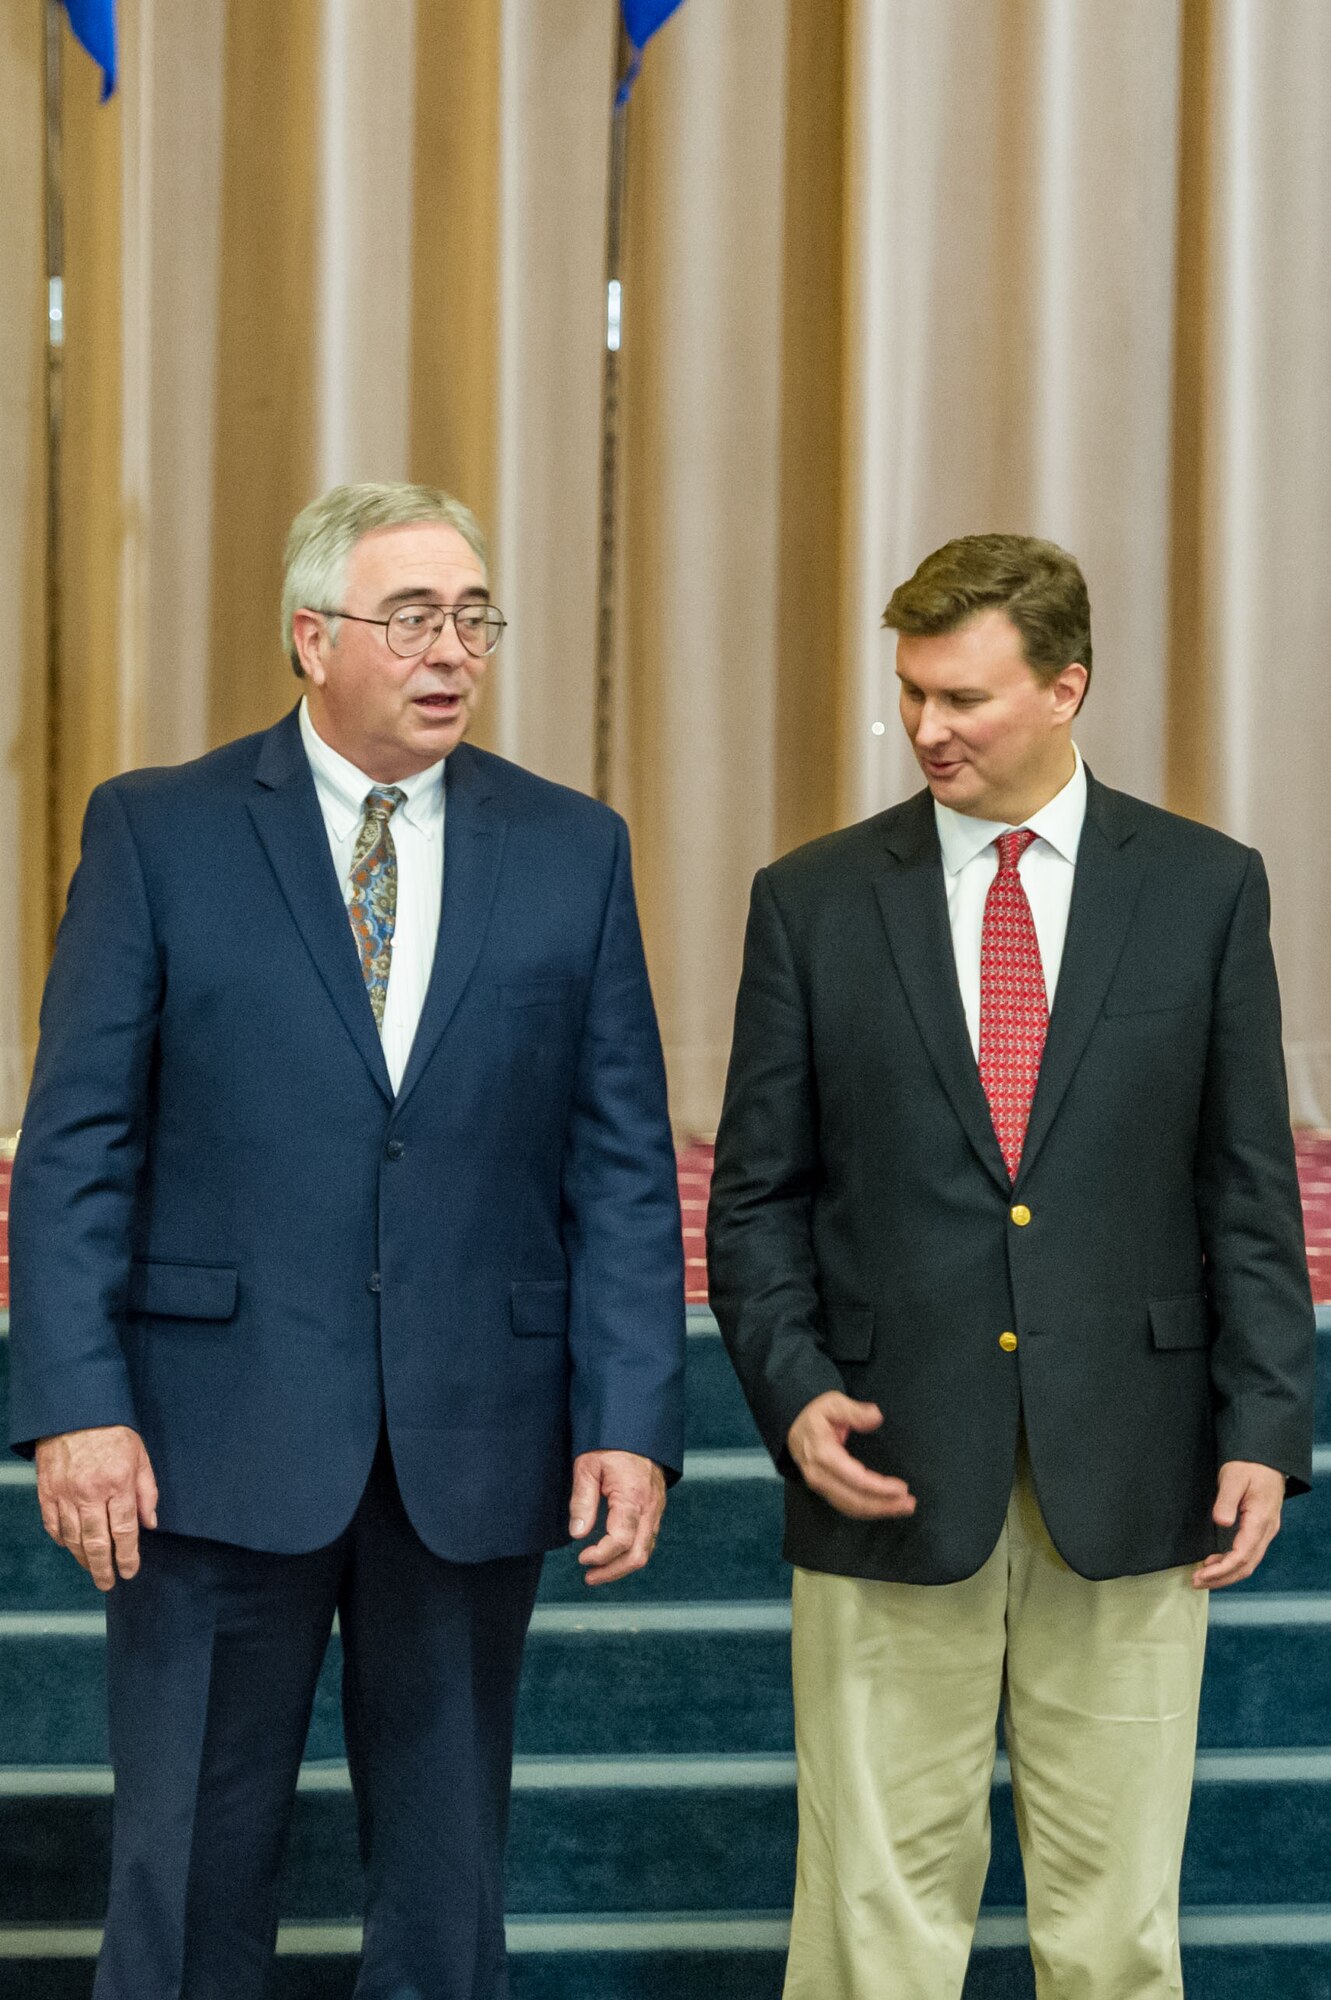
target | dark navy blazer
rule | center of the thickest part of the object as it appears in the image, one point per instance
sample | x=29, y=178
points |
x=864, y=1234
x=227, y=1232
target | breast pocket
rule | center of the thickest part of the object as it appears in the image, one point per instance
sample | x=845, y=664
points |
x=538, y=993
x=1165, y=996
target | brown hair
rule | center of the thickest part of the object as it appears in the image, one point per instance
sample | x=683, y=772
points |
x=1038, y=585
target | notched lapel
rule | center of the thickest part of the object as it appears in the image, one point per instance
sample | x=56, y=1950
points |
x=913, y=900
x=1110, y=865
x=285, y=810
x=474, y=835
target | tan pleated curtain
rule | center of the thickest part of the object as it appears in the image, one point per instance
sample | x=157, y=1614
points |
x=896, y=270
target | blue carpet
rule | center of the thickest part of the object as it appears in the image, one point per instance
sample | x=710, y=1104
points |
x=708, y=1841
x=1269, y=1972
x=720, y=1541
x=691, y=1692
x=692, y=1661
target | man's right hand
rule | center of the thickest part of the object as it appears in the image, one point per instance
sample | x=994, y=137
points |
x=817, y=1441
x=94, y=1488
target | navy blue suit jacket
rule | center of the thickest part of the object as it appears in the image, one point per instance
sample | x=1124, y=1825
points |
x=227, y=1232
x=864, y=1233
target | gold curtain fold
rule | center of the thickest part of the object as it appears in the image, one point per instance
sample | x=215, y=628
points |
x=264, y=352
x=895, y=269
x=23, y=575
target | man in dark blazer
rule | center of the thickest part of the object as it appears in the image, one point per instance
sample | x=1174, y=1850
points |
x=346, y=1261
x=1005, y=1243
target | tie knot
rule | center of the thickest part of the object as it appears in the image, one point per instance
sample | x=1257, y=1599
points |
x=380, y=805
x=1011, y=847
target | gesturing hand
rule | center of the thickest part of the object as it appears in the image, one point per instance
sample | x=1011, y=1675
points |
x=634, y=1491
x=1252, y=1495
x=94, y=1487
x=817, y=1441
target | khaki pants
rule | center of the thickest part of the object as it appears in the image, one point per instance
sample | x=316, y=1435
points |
x=897, y=1688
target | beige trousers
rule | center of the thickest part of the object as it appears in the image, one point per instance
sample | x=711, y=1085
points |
x=897, y=1688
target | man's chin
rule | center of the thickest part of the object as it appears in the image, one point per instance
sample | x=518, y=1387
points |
x=951, y=783
x=444, y=734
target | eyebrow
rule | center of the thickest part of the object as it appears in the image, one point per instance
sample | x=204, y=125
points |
x=949, y=694
x=422, y=593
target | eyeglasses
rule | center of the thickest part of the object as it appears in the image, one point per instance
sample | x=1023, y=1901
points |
x=413, y=628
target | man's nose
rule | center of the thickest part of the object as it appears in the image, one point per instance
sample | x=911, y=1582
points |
x=932, y=728
x=446, y=649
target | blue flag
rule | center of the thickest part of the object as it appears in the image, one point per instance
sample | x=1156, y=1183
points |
x=642, y=18
x=94, y=24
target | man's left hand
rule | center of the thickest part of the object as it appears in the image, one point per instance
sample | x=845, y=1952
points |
x=634, y=1491
x=1251, y=1495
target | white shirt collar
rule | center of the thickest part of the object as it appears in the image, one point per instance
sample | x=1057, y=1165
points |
x=342, y=788
x=962, y=837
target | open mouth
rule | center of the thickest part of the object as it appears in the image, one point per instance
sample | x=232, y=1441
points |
x=442, y=705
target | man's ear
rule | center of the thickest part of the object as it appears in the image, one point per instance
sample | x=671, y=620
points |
x=1070, y=691
x=308, y=635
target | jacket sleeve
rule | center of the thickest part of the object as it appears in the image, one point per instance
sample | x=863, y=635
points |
x=82, y=1143
x=1263, y=1357
x=759, y=1239
x=621, y=1208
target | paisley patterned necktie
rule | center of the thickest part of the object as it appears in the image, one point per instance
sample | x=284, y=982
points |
x=1014, y=1008
x=372, y=905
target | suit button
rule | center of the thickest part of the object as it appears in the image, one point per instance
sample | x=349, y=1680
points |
x=394, y=1149
x=1008, y=1342
x=374, y=1283
x=1021, y=1215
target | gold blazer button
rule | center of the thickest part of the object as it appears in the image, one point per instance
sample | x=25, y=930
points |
x=1021, y=1215
x=1008, y=1342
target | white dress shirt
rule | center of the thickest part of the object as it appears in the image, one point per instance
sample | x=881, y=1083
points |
x=970, y=863
x=417, y=828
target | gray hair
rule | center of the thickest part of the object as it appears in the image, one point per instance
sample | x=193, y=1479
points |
x=324, y=534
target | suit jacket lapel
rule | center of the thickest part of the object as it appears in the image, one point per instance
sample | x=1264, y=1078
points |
x=913, y=900
x=474, y=835
x=1105, y=888
x=285, y=809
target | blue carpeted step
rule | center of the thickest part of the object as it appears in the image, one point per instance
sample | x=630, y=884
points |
x=671, y=1834
x=721, y=1540
x=1227, y=1955
x=660, y=1680
x=717, y=1415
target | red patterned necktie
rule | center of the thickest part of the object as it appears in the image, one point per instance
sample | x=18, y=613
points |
x=1014, y=1009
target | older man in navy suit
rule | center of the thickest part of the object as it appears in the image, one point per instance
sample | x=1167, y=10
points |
x=345, y=1261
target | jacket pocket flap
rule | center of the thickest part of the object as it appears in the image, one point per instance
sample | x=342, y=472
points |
x=182, y=1291
x=540, y=1307
x=849, y=1332
x=1179, y=1322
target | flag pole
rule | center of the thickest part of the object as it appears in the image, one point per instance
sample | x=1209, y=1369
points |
x=604, y=739
x=55, y=393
